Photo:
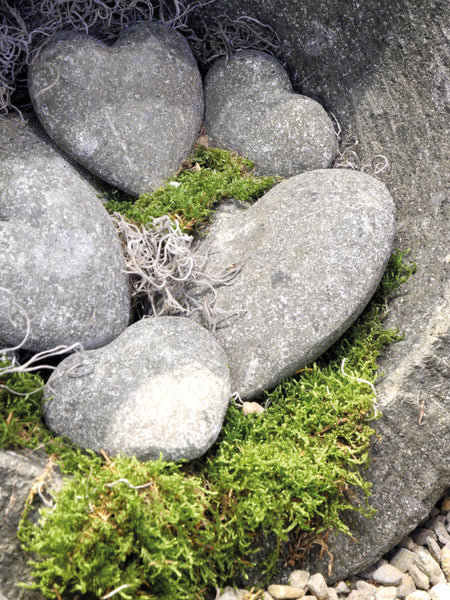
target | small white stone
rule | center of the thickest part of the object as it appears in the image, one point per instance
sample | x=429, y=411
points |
x=430, y=567
x=332, y=594
x=250, y=408
x=285, y=592
x=388, y=575
x=318, y=586
x=342, y=588
x=228, y=594
x=421, y=580
x=365, y=594
x=299, y=578
x=402, y=559
x=442, y=533
x=386, y=592
x=434, y=549
x=440, y=591
x=406, y=587
x=418, y=595
x=445, y=561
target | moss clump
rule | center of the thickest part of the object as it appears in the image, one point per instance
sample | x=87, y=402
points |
x=163, y=530
x=211, y=175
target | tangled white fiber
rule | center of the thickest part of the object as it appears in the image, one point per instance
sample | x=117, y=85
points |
x=9, y=355
x=165, y=272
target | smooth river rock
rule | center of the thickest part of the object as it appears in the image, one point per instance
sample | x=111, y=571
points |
x=62, y=266
x=312, y=252
x=250, y=107
x=160, y=388
x=131, y=112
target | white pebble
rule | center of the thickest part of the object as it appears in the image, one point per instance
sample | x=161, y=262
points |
x=285, y=592
x=318, y=586
x=440, y=591
x=388, y=575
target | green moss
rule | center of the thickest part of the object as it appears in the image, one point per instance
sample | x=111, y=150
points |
x=211, y=175
x=291, y=470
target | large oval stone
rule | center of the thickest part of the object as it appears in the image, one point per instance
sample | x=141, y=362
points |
x=161, y=387
x=62, y=265
x=312, y=251
x=250, y=106
x=131, y=112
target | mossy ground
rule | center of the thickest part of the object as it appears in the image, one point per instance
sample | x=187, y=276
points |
x=174, y=531
x=210, y=175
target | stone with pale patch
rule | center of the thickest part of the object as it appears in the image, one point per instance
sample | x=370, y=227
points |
x=160, y=388
x=62, y=266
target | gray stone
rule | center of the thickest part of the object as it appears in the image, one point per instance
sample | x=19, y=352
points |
x=402, y=559
x=250, y=107
x=426, y=563
x=420, y=579
x=434, y=549
x=162, y=387
x=312, y=251
x=406, y=587
x=442, y=533
x=440, y=591
x=318, y=586
x=380, y=67
x=62, y=264
x=228, y=593
x=421, y=538
x=17, y=475
x=388, y=575
x=130, y=112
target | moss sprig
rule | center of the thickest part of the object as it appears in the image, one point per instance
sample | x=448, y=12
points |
x=209, y=176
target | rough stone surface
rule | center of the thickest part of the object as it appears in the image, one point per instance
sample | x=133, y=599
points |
x=318, y=586
x=380, y=67
x=285, y=592
x=250, y=107
x=406, y=587
x=62, y=263
x=17, y=475
x=312, y=251
x=299, y=578
x=402, y=559
x=421, y=580
x=426, y=563
x=162, y=387
x=129, y=112
x=388, y=575
x=445, y=561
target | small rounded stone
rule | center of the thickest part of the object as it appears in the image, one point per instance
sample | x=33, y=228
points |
x=285, y=592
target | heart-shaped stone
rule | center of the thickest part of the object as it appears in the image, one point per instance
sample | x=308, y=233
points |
x=161, y=387
x=313, y=251
x=130, y=113
x=250, y=107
